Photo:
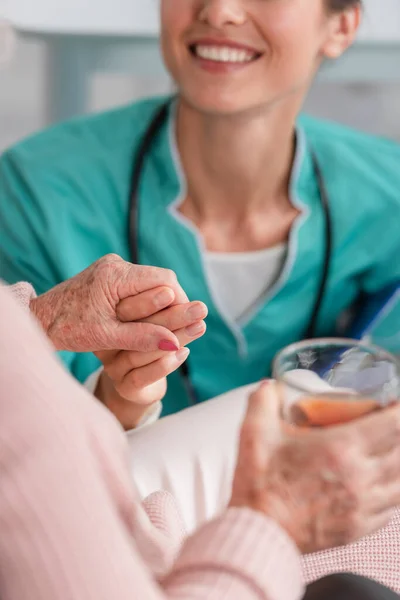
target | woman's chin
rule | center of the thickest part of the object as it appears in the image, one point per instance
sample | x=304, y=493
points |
x=217, y=105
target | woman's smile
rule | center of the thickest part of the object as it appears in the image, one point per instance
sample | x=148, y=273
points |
x=233, y=56
x=222, y=56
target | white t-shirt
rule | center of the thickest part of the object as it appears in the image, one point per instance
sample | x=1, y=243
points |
x=239, y=280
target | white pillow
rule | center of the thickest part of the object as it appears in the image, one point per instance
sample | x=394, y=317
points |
x=192, y=455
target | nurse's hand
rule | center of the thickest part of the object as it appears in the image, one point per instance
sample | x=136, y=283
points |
x=325, y=487
x=133, y=382
x=81, y=314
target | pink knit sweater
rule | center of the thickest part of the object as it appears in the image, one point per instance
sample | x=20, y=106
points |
x=71, y=525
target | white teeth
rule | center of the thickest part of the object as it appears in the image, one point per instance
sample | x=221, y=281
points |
x=224, y=54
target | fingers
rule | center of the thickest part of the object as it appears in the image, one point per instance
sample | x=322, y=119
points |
x=375, y=523
x=139, y=279
x=379, y=432
x=118, y=365
x=138, y=379
x=260, y=428
x=385, y=469
x=142, y=337
x=184, y=318
x=179, y=316
x=348, y=531
x=145, y=304
x=264, y=410
x=384, y=497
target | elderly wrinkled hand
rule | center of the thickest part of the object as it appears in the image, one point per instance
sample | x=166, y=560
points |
x=82, y=313
x=326, y=487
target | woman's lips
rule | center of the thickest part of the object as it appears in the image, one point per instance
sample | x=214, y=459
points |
x=222, y=56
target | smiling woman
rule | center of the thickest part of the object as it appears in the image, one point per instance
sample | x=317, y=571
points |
x=271, y=50
x=233, y=186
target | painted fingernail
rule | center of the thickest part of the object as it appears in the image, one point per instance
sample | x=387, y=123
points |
x=167, y=346
x=164, y=298
x=195, y=329
x=182, y=354
x=195, y=312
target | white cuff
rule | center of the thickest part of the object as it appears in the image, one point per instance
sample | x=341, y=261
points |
x=92, y=381
x=23, y=292
x=150, y=417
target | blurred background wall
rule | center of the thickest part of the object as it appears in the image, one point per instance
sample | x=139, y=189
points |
x=371, y=107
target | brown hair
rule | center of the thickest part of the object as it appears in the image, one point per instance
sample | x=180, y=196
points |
x=338, y=5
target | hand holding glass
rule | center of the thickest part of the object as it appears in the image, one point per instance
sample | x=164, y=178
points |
x=330, y=381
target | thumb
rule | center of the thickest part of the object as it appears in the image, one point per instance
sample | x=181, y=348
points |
x=264, y=409
x=142, y=337
x=260, y=433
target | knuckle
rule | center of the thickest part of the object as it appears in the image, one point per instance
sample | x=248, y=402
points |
x=343, y=460
x=112, y=257
x=134, y=379
x=155, y=273
x=170, y=276
x=141, y=273
x=109, y=259
x=104, y=267
x=132, y=359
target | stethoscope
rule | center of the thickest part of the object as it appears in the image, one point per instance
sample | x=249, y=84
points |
x=156, y=125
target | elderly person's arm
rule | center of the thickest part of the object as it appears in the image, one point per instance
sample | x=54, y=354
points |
x=82, y=313
x=71, y=526
x=137, y=320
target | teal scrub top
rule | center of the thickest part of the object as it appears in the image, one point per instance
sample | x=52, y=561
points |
x=64, y=199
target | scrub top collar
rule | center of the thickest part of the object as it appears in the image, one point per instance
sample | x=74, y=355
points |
x=303, y=190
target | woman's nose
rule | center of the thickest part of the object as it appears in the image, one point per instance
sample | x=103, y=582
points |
x=219, y=13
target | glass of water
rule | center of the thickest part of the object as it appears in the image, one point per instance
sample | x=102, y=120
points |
x=329, y=381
